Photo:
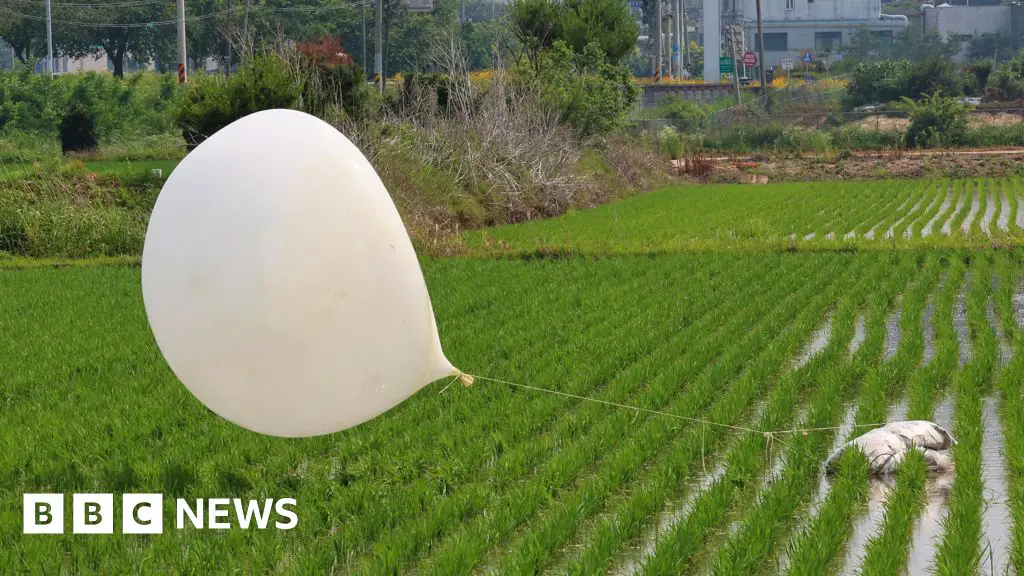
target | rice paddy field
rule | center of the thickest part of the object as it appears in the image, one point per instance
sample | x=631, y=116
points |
x=810, y=216
x=759, y=363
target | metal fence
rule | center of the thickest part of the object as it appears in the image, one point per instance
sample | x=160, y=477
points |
x=880, y=121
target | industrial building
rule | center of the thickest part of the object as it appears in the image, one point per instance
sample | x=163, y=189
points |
x=795, y=29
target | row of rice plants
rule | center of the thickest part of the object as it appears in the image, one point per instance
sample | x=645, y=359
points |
x=690, y=401
x=915, y=223
x=679, y=544
x=635, y=509
x=523, y=454
x=751, y=546
x=370, y=507
x=813, y=215
x=1012, y=413
x=815, y=549
x=886, y=552
x=959, y=551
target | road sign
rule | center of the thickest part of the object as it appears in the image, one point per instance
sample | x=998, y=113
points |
x=807, y=58
x=749, y=58
x=787, y=63
x=635, y=4
x=725, y=65
x=769, y=74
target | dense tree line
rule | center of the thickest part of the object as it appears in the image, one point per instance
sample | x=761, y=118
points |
x=145, y=32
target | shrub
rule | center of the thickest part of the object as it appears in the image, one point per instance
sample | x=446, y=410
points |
x=686, y=116
x=671, y=142
x=78, y=130
x=935, y=121
x=891, y=80
x=978, y=73
x=874, y=82
x=591, y=94
x=37, y=105
x=933, y=75
x=1006, y=82
x=331, y=81
x=420, y=88
x=211, y=102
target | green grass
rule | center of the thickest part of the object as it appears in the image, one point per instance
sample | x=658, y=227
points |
x=664, y=307
x=780, y=217
x=130, y=168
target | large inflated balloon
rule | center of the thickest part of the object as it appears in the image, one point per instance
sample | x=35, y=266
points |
x=281, y=285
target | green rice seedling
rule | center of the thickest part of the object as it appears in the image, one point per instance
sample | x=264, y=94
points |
x=936, y=195
x=886, y=553
x=705, y=341
x=806, y=216
x=750, y=547
x=82, y=299
x=476, y=540
x=815, y=548
x=530, y=427
x=1012, y=406
x=959, y=551
x=676, y=548
x=634, y=512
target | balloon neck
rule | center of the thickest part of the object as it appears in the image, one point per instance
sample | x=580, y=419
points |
x=466, y=379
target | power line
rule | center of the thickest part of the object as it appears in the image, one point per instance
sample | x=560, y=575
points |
x=187, y=19
x=94, y=5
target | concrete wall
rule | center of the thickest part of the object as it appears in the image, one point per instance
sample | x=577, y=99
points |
x=777, y=10
x=6, y=55
x=807, y=25
x=968, y=21
x=707, y=93
x=803, y=37
x=1017, y=23
x=972, y=20
x=88, y=64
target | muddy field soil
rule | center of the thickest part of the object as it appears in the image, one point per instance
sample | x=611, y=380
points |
x=867, y=167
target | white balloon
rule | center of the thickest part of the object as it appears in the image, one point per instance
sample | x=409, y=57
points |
x=280, y=282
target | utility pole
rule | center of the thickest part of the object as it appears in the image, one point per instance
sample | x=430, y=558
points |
x=49, y=40
x=378, y=55
x=678, y=46
x=671, y=46
x=735, y=64
x=661, y=42
x=462, y=11
x=362, y=10
x=231, y=35
x=686, y=41
x=182, y=75
x=760, y=50
x=712, y=17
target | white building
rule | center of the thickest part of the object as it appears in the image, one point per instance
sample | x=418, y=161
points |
x=792, y=28
x=966, y=22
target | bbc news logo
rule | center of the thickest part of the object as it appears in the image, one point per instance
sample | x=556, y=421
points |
x=144, y=513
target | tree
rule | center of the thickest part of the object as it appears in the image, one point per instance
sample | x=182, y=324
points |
x=935, y=121
x=608, y=23
x=26, y=35
x=592, y=94
x=696, y=64
x=995, y=46
x=538, y=24
x=933, y=75
x=114, y=28
x=1006, y=82
x=914, y=44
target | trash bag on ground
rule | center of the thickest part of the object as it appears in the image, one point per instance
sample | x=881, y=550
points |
x=886, y=447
